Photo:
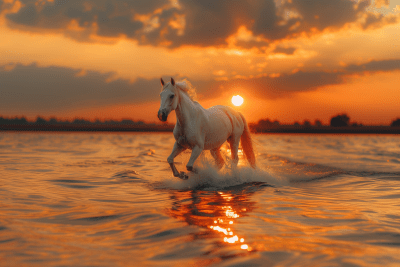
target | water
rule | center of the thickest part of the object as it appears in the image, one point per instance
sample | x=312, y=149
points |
x=98, y=199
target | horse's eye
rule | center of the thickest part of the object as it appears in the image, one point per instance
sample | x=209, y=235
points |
x=172, y=96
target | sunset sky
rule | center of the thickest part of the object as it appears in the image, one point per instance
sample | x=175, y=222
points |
x=290, y=60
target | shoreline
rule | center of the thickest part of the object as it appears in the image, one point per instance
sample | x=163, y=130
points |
x=169, y=128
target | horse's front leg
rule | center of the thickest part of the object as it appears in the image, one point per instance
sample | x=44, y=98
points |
x=175, y=152
x=196, y=151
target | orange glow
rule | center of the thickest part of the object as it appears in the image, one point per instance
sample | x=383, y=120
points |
x=123, y=57
x=222, y=225
x=288, y=234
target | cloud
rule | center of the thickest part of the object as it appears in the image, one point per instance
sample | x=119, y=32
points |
x=103, y=18
x=186, y=22
x=380, y=3
x=376, y=20
x=284, y=50
x=321, y=14
x=58, y=88
x=51, y=89
x=375, y=66
x=209, y=22
x=284, y=85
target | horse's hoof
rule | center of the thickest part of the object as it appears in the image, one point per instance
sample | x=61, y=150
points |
x=191, y=169
x=183, y=176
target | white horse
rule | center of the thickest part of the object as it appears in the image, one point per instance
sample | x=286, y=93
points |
x=201, y=129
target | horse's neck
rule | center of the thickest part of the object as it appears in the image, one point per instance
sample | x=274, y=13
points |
x=185, y=111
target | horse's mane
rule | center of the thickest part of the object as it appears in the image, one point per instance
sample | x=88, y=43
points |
x=187, y=88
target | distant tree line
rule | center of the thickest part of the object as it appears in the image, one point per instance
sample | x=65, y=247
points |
x=54, y=121
x=340, y=120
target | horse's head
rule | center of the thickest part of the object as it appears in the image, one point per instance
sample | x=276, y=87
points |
x=169, y=99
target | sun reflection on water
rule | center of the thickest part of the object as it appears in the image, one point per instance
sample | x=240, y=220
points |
x=216, y=211
x=222, y=227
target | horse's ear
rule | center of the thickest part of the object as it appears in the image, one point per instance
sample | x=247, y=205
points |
x=172, y=81
x=162, y=82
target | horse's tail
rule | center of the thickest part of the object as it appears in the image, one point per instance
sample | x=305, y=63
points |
x=247, y=144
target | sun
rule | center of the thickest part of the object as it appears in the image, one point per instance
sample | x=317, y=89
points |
x=237, y=100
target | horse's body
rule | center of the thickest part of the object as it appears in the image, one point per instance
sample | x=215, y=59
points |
x=201, y=129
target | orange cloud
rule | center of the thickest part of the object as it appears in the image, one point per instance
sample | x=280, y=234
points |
x=114, y=52
x=182, y=23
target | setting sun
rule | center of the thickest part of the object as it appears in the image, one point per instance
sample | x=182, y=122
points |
x=237, y=100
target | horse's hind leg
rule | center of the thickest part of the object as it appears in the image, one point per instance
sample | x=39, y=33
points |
x=219, y=160
x=234, y=144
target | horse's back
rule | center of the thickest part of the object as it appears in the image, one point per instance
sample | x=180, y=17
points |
x=233, y=116
x=222, y=122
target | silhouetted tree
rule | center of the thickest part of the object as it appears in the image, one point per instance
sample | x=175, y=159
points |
x=296, y=124
x=395, y=123
x=127, y=121
x=341, y=120
x=318, y=123
x=23, y=120
x=65, y=122
x=81, y=121
x=40, y=120
x=53, y=120
x=15, y=120
x=110, y=122
x=306, y=123
x=265, y=123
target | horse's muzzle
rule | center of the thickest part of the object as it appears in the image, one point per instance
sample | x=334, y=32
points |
x=162, y=115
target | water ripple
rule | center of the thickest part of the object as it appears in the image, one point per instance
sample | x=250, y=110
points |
x=100, y=199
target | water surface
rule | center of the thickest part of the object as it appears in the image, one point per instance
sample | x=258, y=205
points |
x=100, y=199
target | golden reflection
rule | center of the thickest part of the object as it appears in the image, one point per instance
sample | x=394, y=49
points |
x=229, y=213
x=225, y=150
x=216, y=211
x=289, y=225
